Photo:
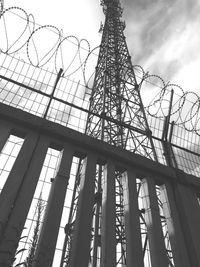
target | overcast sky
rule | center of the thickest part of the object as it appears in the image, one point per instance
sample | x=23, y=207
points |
x=162, y=35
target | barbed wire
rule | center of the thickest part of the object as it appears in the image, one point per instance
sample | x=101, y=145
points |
x=46, y=45
x=1, y=6
x=28, y=39
x=185, y=105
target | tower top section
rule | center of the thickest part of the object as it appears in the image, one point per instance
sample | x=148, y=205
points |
x=112, y=7
x=116, y=112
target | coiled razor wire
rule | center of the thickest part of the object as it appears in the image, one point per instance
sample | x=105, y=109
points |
x=185, y=108
x=41, y=44
x=45, y=45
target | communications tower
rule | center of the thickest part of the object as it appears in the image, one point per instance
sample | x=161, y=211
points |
x=117, y=191
x=115, y=100
x=116, y=116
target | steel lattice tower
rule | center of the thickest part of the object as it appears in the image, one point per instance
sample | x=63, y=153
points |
x=116, y=116
x=115, y=101
x=112, y=199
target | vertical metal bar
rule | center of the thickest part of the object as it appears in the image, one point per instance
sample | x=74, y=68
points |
x=52, y=93
x=18, y=193
x=175, y=164
x=15, y=178
x=166, y=145
x=70, y=221
x=98, y=199
x=108, y=226
x=1, y=8
x=189, y=211
x=132, y=222
x=166, y=140
x=80, y=253
x=153, y=222
x=4, y=134
x=169, y=115
x=50, y=228
x=179, y=251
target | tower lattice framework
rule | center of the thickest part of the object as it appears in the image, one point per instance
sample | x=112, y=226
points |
x=117, y=114
x=108, y=201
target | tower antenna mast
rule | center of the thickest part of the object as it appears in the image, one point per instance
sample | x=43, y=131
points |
x=116, y=116
x=116, y=112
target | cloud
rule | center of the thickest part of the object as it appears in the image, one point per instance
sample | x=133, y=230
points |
x=162, y=37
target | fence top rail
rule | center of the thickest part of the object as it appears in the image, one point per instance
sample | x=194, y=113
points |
x=84, y=145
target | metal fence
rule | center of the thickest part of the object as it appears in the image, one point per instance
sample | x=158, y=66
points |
x=65, y=100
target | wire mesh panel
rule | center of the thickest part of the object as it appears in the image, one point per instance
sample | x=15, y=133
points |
x=8, y=156
x=63, y=245
x=69, y=106
x=35, y=216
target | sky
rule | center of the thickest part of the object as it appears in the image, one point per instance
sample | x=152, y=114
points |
x=162, y=35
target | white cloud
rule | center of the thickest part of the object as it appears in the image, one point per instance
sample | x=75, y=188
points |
x=162, y=37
